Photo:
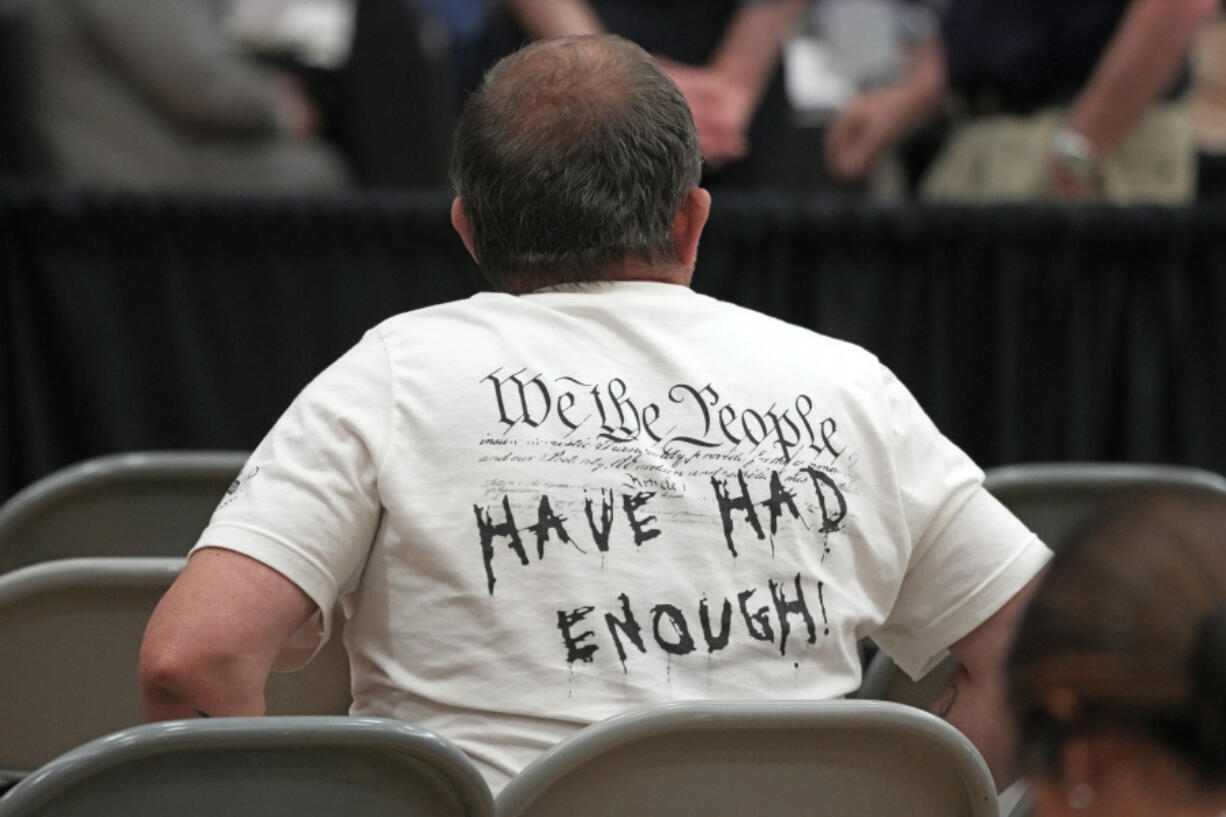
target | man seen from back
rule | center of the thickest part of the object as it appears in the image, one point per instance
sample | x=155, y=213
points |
x=592, y=489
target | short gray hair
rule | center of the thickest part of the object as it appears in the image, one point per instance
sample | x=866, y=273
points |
x=572, y=158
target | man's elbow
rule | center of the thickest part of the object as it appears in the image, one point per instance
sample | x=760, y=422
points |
x=168, y=680
x=177, y=681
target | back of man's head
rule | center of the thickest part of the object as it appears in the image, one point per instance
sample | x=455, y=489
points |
x=571, y=160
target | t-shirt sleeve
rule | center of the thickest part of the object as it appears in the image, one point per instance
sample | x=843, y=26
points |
x=969, y=554
x=306, y=503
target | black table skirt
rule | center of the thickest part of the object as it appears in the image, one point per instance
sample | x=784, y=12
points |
x=1029, y=333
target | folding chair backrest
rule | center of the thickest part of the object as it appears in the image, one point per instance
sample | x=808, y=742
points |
x=70, y=633
x=140, y=504
x=257, y=767
x=719, y=759
x=1053, y=498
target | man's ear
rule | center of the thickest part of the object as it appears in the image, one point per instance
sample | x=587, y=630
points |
x=459, y=220
x=688, y=224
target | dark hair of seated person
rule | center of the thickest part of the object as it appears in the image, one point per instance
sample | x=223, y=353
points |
x=1117, y=675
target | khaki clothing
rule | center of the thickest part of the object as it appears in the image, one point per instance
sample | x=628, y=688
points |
x=1002, y=158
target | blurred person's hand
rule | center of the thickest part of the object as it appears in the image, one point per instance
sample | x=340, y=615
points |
x=722, y=111
x=297, y=114
x=875, y=120
x=864, y=129
x=1073, y=166
x=1065, y=186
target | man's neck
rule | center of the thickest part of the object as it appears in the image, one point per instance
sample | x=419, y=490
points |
x=658, y=273
x=670, y=274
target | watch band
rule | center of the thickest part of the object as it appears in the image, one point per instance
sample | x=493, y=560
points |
x=1075, y=155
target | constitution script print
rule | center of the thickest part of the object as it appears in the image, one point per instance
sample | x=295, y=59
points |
x=592, y=465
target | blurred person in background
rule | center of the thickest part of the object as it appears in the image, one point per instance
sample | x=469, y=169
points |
x=1207, y=108
x=130, y=93
x=464, y=21
x=380, y=72
x=1118, y=673
x=1069, y=101
x=724, y=55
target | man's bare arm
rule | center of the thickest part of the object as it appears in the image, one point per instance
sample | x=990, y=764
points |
x=973, y=699
x=724, y=93
x=555, y=18
x=1139, y=63
x=211, y=642
x=750, y=48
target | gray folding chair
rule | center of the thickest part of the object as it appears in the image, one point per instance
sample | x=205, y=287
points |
x=1054, y=498
x=140, y=504
x=257, y=767
x=726, y=759
x=1051, y=499
x=70, y=633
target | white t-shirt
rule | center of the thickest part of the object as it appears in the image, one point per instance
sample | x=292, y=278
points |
x=540, y=511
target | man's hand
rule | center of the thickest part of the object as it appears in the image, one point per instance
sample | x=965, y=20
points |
x=1066, y=185
x=864, y=130
x=722, y=110
x=1145, y=54
x=297, y=114
x=874, y=121
x=723, y=94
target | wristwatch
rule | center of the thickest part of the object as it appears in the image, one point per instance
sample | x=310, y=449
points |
x=1075, y=156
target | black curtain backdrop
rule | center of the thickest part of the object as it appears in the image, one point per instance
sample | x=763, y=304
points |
x=131, y=322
